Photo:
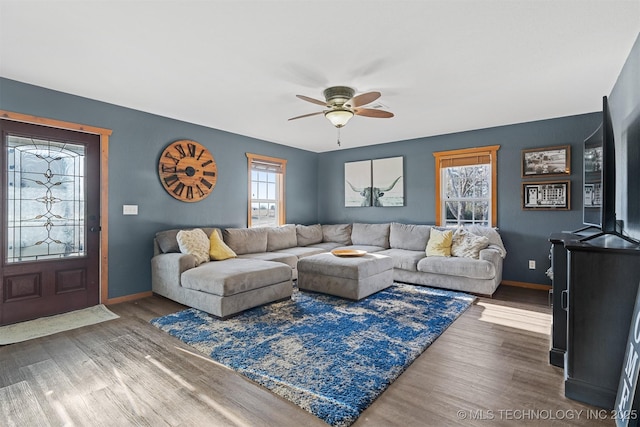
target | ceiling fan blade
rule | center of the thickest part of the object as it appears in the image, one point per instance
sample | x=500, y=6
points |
x=370, y=112
x=312, y=100
x=306, y=115
x=363, y=99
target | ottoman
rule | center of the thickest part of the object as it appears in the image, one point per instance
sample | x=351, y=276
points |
x=348, y=277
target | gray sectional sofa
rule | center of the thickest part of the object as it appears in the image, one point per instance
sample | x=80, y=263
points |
x=266, y=262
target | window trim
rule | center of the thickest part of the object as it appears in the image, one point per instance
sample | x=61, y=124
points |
x=467, y=157
x=251, y=158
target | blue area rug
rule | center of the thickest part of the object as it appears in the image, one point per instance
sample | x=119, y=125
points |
x=328, y=355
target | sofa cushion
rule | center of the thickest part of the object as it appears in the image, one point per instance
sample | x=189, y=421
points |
x=233, y=276
x=209, y=230
x=454, y=266
x=246, y=240
x=325, y=246
x=370, y=235
x=439, y=243
x=282, y=237
x=302, y=251
x=167, y=241
x=282, y=257
x=308, y=234
x=194, y=242
x=468, y=245
x=218, y=250
x=339, y=233
x=404, y=259
x=409, y=236
x=355, y=268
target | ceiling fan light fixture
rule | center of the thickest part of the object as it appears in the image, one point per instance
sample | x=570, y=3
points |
x=342, y=105
x=338, y=95
x=339, y=117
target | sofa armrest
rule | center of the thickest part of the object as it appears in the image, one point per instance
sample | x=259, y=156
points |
x=491, y=255
x=494, y=256
x=167, y=268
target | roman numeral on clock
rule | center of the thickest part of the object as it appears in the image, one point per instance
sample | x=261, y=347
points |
x=179, y=189
x=206, y=183
x=180, y=149
x=170, y=180
x=176, y=161
x=192, y=150
x=169, y=169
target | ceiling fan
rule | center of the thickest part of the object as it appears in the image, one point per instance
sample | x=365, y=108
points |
x=342, y=105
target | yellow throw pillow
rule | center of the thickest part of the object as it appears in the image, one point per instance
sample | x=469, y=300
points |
x=439, y=243
x=218, y=250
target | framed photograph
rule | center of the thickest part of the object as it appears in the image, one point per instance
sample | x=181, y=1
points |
x=547, y=195
x=388, y=186
x=548, y=161
x=357, y=183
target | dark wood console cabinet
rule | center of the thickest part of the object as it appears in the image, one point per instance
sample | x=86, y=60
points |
x=603, y=276
x=559, y=257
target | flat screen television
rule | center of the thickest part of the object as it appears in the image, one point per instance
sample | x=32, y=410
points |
x=599, y=179
x=597, y=161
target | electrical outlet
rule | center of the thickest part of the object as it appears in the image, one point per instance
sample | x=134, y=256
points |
x=532, y=264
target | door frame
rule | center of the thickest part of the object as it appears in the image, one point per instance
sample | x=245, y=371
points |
x=104, y=185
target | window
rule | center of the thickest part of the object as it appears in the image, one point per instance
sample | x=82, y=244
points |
x=45, y=199
x=266, y=191
x=466, y=186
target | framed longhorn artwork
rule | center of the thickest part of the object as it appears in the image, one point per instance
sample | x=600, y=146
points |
x=375, y=182
x=357, y=184
x=387, y=184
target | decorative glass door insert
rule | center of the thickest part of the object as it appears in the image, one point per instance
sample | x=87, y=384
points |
x=45, y=199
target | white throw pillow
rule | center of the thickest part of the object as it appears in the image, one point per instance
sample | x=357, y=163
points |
x=467, y=245
x=194, y=242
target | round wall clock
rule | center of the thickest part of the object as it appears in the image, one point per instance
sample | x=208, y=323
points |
x=187, y=170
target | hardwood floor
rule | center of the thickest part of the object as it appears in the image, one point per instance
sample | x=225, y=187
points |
x=489, y=368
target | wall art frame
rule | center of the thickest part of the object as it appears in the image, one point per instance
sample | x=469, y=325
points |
x=546, y=195
x=547, y=161
x=357, y=184
x=387, y=184
x=376, y=182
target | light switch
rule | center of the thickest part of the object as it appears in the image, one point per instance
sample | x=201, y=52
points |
x=129, y=209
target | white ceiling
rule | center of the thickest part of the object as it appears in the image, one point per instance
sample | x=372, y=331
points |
x=442, y=66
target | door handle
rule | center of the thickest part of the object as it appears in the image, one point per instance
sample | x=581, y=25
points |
x=564, y=299
x=95, y=229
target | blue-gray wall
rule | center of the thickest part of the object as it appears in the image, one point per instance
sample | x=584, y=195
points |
x=139, y=138
x=524, y=233
x=134, y=150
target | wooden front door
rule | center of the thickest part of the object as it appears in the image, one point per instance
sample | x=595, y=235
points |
x=50, y=220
